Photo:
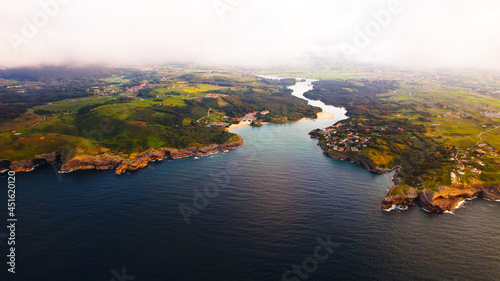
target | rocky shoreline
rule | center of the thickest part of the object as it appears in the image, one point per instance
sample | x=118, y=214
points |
x=107, y=162
x=361, y=160
x=446, y=199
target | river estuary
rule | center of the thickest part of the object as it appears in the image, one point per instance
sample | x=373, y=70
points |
x=255, y=213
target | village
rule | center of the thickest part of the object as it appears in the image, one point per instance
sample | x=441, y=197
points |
x=249, y=117
x=252, y=116
x=491, y=114
x=470, y=160
x=355, y=137
x=346, y=137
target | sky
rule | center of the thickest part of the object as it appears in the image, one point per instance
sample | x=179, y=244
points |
x=251, y=33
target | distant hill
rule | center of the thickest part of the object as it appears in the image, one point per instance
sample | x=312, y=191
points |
x=56, y=73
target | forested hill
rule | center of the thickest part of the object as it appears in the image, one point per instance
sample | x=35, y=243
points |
x=353, y=95
x=56, y=73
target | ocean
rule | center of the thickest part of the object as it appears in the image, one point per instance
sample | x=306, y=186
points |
x=274, y=209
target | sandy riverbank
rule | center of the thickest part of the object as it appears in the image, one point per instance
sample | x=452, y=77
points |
x=325, y=115
x=321, y=115
x=244, y=124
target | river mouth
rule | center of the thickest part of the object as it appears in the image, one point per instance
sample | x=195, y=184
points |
x=270, y=202
x=304, y=85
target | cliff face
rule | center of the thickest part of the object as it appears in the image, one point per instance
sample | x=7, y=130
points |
x=4, y=165
x=449, y=197
x=360, y=160
x=91, y=163
x=406, y=199
x=203, y=151
x=30, y=165
x=107, y=162
x=446, y=199
x=143, y=160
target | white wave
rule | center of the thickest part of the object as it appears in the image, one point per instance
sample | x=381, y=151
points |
x=397, y=207
x=393, y=207
x=459, y=205
x=426, y=210
x=66, y=172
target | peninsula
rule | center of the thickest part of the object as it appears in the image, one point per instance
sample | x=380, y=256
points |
x=123, y=118
x=439, y=136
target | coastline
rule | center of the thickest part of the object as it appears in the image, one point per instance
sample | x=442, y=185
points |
x=445, y=199
x=243, y=124
x=109, y=162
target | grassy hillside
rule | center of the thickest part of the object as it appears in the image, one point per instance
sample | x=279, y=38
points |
x=135, y=110
x=439, y=133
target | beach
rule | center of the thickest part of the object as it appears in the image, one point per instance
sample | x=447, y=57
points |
x=239, y=125
x=325, y=115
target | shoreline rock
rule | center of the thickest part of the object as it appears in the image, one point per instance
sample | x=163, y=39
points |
x=446, y=199
x=155, y=155
x=30, y=165
x=361, y=160
x=108, y=162
x=407, y=199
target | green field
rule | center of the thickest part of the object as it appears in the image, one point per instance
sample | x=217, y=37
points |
x=168, y=109
x=436, y=131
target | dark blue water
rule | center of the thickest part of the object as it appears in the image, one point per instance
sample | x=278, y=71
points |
x=271, y=200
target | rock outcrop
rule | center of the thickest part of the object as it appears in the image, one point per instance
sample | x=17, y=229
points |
x=30, y=165
x=155, y=155
x=403, y=199
x=491, y=192
x=107, y=162
x=87, y=162
x=359, y=159
x=445, y=199
x=4, y=165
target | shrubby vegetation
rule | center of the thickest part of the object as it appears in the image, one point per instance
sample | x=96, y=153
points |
x=394, y=141
x=163, y=110
x=10, y=112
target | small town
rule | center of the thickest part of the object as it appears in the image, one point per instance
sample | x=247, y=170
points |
x=492, y=114
x=344, y=137
x=252, y=116
x=470, y=160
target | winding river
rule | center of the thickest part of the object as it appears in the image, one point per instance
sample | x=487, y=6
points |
x=267, y=207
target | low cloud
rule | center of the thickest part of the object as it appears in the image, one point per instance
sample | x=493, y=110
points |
x=424, y=33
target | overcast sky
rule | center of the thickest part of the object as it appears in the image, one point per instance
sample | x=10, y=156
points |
x=423, y=33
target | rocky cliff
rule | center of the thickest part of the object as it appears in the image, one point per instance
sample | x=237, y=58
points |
x=405, y=199
x=154, y=155
x=30, y=165
x=359, y=159
x=88, y=162
x=445, y=199
x=107, y=162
